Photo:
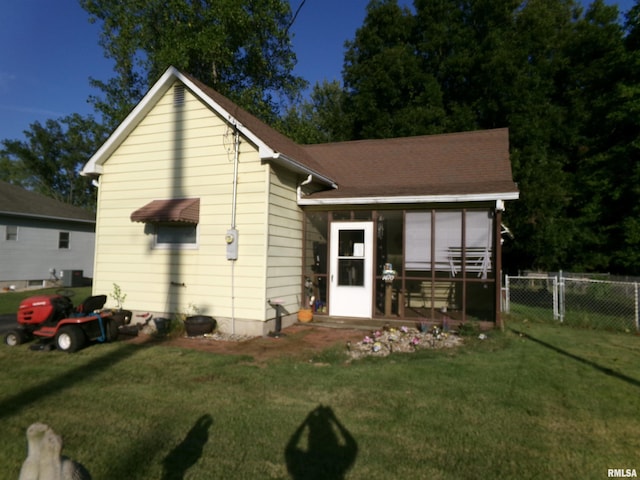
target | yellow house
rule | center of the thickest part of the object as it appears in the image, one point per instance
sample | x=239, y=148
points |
x=201, y=205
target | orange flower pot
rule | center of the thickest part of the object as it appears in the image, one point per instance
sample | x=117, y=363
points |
x=305, y=315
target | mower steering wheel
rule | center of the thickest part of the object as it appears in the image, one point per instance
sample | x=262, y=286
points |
x=66, y=292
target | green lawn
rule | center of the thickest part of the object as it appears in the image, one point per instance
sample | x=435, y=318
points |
x=537, y=401
x=10, y=301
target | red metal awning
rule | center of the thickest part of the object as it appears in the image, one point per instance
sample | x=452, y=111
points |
x=186, y=210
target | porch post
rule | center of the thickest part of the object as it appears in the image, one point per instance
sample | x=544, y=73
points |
x=497, y=249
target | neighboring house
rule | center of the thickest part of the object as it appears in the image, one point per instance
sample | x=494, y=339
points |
x=42, y=239
x=201, y=204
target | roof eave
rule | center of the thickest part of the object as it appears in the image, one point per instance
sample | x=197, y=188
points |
x=411, y=199
x=295, y=166
x=48, y=217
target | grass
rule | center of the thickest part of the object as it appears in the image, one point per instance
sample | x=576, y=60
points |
x=577, y=317
x=535, y=401
x=10, y=301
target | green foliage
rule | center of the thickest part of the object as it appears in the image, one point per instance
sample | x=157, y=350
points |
x=50, y=158
x=324, y=118
x=389, y=93
x=241, y=48
x=563, y=79
x=118, y=295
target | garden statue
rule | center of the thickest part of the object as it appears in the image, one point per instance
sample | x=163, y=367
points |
x=44, y=460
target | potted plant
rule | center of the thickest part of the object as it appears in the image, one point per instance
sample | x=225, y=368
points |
x=120, y=316
x=196, y=324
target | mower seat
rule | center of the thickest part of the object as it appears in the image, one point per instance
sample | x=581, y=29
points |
x=91, y=304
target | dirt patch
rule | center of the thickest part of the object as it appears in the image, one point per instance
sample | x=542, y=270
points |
x=298, y=341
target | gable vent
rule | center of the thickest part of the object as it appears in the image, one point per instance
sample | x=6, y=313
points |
x=178, y=95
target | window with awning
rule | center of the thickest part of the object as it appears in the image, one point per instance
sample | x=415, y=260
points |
x=182, y=210
x=174, y=221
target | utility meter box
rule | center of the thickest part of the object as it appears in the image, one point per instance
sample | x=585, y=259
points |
x=231, y=239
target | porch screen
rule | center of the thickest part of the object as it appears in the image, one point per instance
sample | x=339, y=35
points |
x=447, y=243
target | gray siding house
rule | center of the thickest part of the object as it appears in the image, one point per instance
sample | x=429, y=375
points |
x=41, y=239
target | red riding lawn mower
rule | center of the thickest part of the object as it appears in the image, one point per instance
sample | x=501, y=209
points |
x=53, y=317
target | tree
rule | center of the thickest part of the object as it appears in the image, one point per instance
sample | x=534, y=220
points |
x=50, y=158
x=564, y=82
x=389, y=94
x=240, y=47
x=321, y=119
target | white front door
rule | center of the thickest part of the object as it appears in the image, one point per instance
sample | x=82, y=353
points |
x=350, y=278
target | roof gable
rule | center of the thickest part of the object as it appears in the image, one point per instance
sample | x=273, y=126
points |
x=271, y=145
x=17, y=201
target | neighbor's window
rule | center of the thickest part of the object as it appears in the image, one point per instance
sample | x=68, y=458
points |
x=63, y=240
x=11, y=233
x=171, y=235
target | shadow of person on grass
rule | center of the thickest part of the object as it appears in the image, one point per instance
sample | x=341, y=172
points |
x=330, y=448
x=187, y=452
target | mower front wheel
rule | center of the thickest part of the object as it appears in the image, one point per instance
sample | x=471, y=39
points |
x=70, y=339
x=16, y=337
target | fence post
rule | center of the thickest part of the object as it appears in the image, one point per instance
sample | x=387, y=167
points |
x=507, y=293
x=554, y=288
x=561, y=286
x=637, y=307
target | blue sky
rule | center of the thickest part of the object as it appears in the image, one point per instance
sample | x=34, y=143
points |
x=50, y=50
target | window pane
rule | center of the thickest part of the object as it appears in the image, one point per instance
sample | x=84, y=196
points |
x=351, y=272
x=63, y=240
x=12, y=233
x=448, y=240
x=418, y=241
x=176, y=235
x=351, y=243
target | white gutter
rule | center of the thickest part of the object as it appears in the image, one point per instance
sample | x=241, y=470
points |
x=298, y=167
x=299, y=189
x=499, y=198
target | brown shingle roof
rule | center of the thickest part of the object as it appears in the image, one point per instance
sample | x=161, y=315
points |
x=451, y=164
x=186, y=210
x=17, y=201
x=437, y=165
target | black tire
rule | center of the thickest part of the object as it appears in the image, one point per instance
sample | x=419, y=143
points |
x=70, y=339
x=112, y=329
x=16, y=337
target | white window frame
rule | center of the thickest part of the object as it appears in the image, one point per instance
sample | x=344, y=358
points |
x=68, y=240
x=187, y=245
x=11, y=236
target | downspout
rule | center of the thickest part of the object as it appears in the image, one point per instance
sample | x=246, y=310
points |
x=299, y=189
x=234, y=201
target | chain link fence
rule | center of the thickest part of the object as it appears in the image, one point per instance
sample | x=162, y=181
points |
x=574, y=300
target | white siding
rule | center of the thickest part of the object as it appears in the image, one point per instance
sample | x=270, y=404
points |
x=183, y=152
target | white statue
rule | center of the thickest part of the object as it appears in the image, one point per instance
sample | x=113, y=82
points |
x=44, y=460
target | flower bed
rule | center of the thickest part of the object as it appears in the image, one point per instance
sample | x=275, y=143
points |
x=381, y=343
